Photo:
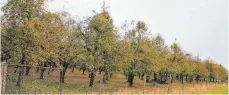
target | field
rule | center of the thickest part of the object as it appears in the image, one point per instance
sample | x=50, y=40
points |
x=220, y=90
x=75, y=82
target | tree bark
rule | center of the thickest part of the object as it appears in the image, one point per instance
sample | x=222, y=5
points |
x=177, y=76
x=111, y=75
x=84, y=69
x=91, y=76
x=170, y=76
x=49, y=71
x=65, y=67
x=102, y=79
x=38, y=68
x=20, y=76
x=190, y=79
x=130, y=79
x=161, y=78
x=107, y=76
x=155, y=77
x=182, y=81
x=15, y=70
x=186, y=78
x=100, y=71
x=139, y=75
x=142, y=76
x=171, y=79
x=21, y=72
x=43, y=70
x=61, y=76
x=73, y=68
x=27, y=70
x=181, y=76
x=53, y=69
x=166, y=77
x=147, y=79
x=42, y=73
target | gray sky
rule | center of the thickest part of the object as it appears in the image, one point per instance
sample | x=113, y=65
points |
x=200, y=26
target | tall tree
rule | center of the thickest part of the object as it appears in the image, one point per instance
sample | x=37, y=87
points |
x=176, y=59
x=135, y=37
x=18, y=41
x=49, y=32
x=99, y=38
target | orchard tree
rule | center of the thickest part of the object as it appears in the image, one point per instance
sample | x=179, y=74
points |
x=176, y=59
x=135, y=37
x=99, y=38
x=49, y=32
x=18, y=42
x=203, y=71
x=163, y=59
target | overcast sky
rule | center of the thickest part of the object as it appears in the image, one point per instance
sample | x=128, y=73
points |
x=200, y=26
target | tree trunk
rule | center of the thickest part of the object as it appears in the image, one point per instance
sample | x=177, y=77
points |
x=107, y=76
x=53, y=69
x=171, y=79
x=21, y=72
x=111, y=75
x=61, y=76
x=42, y=73
x=15, y=70
x=170, y=76
x=197, y=78
x=130, y=79
x=166, y=77
x=20, y=76
x=155, y=77
x=142, y=76
x=182, y=81
x=65, y=67
x=73, y=68
x=161, y=77
x=91, y=76
x=193, y=81
x=100, y=71
x=49, y=71
x=147, y=79
x=126, y=75
x=27, y=71
x=38, y=68
x=84, y=69
x=190, y=79
x=102, y=79
x=177, y=76
x=181, y=76
x=186, y=78
x=43, y=70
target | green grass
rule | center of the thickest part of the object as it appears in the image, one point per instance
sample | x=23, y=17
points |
x=221, y=90
x=75, y=83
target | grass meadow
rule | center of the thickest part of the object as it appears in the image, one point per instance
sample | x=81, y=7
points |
x=76, y=83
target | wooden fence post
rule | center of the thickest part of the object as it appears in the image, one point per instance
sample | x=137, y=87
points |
x=3, y=77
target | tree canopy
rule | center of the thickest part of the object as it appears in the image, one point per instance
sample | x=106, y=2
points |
x=34, y=36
